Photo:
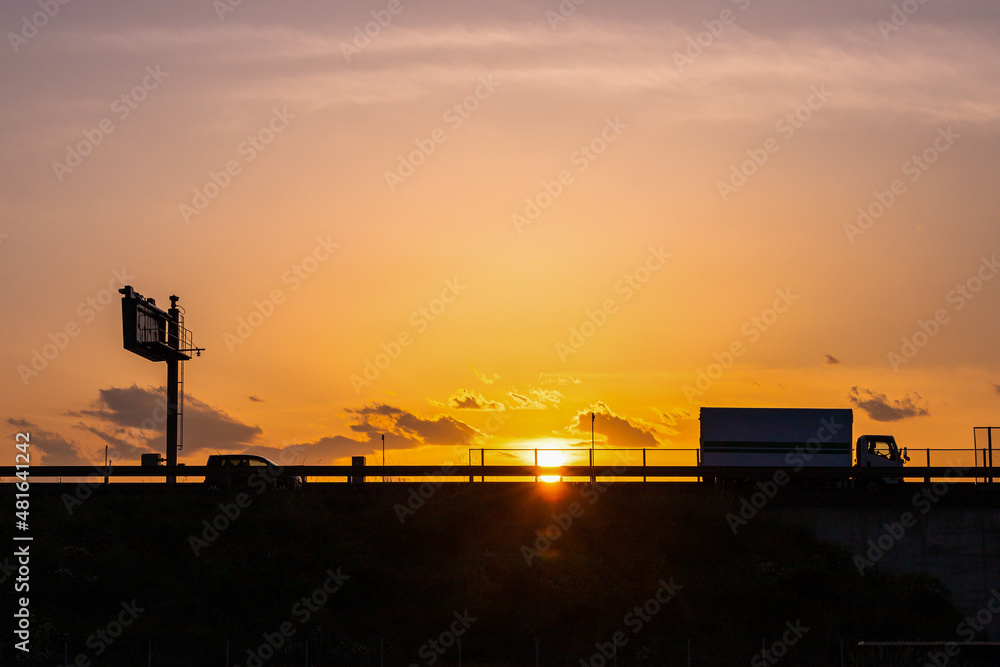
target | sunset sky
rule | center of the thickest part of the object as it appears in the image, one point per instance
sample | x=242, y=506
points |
x=530, y=210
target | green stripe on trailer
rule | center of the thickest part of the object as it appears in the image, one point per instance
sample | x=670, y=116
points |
x=776, y=447
x=826, y=452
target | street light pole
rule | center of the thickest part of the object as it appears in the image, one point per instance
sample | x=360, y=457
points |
x=593, y=477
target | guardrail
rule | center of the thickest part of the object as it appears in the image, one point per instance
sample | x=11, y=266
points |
x=469, y=473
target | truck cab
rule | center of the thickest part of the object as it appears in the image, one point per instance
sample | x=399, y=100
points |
x=880, y=451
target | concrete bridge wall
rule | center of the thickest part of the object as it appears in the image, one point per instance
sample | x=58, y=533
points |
x=959, y=546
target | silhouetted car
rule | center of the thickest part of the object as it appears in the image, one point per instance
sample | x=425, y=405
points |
x=243, y=471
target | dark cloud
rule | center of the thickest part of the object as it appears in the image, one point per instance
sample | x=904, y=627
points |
x=443, y=430
x=255, y=399
x=124, y=442
x=323, y=451
x=54, y=449
x=464, y=399
x=402, y=430
x=832, y=360
x=881, y=409
x=137, y=415
x=617, y=431
x=373, y=420
x=376, y=409
x=996, y=387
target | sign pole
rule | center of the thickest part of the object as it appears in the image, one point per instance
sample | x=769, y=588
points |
x=159, y=336
x=173, y=383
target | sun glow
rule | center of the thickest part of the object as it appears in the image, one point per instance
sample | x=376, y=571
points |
x=551, y=458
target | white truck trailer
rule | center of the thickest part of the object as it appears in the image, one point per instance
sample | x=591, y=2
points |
x=791, y=437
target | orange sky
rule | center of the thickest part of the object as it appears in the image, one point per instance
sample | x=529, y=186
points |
x=636, y=208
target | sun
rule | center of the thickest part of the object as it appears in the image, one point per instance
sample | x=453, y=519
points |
x=551, y=458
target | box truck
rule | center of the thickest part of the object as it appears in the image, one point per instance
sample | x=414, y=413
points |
x=792, y=437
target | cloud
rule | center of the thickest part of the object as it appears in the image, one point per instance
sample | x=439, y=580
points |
x=523, y=402
x=882, y=409
x=997, y=388
x=487, y=379
x=617, y=51
x=255, y=399
x=129, y=407
x=618, y=431
x=557, y=379
x=535, y=398
x=124, y=442
x=373, y=420
x=54, y=449
x=322, y=451
x=670, y=418
x=403, y=430
x=136, y=417
x=464, y=399
x=832, y=360
x=547, y=395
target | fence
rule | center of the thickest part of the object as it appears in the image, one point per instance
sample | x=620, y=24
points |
x=314, y=648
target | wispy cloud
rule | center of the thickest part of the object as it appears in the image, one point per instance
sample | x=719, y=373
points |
x=483, y=377
x=747, y=75
x=521, y=401
x=466, y=399
x=558, y=379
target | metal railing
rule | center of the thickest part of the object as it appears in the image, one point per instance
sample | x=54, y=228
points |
x=591, y=455
x=469, y=473
x=974, y=464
